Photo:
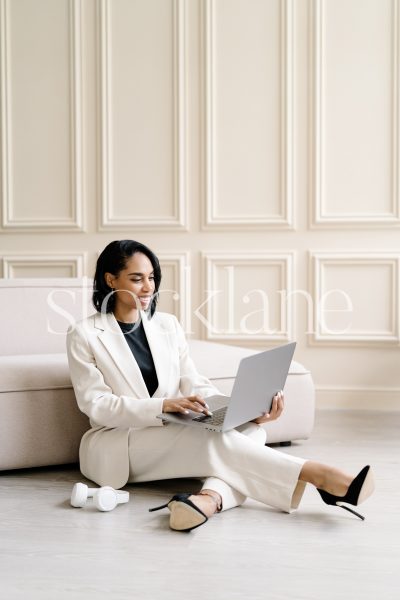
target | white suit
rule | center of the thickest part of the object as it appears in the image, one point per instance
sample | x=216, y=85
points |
x=128, y=442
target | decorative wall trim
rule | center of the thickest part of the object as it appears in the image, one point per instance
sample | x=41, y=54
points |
x=320, y=216
x=211, y=261
x=179, y=262
x=75, y=222
x=43, y=260
x=319, y=261
x=246, y=220
x=357, y=398
x=177, y=221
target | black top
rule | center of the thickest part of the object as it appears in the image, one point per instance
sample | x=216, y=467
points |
x=137, y=342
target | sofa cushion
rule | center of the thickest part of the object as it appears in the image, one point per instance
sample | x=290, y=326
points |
x=220, y=361
x=27, y=372
x=24, y=372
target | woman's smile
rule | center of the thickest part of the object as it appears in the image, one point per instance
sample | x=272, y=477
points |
x=144, y=301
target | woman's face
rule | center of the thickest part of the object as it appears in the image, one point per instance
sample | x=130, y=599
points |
x=135, y=284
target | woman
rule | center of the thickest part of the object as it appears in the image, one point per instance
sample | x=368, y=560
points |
x=130, y=363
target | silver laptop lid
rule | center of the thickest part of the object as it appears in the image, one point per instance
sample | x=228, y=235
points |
x=258, y=379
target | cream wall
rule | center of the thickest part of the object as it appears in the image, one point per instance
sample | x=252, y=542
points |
x=253, y=144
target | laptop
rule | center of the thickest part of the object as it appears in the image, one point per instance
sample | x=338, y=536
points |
x=258, y=379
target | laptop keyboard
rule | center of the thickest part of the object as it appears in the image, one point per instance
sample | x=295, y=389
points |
x=217, y=417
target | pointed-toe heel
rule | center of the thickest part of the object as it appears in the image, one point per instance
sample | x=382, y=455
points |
x=185, y=515
x=359, y=490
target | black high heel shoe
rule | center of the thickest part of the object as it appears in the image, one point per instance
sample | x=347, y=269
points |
x=185, y=515
x=359, y=490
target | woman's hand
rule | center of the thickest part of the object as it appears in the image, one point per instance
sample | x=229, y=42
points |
x=278, y=403
x=183, y=405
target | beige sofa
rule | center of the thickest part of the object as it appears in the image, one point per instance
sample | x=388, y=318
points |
x=40, y=422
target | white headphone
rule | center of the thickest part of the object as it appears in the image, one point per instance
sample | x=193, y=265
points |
x=104, y=498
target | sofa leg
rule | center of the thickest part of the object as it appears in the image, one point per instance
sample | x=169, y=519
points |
x=285, y=443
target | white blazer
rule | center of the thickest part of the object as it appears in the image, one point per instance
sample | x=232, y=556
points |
x=110, y=389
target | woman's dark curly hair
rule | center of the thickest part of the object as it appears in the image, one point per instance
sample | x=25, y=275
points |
x=113, y=260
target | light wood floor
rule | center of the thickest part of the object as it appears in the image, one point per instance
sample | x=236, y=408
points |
x=49, y=550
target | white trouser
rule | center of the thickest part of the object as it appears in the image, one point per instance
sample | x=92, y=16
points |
x=236, y=464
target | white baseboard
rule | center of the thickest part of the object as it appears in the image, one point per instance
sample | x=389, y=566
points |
x=358, y=398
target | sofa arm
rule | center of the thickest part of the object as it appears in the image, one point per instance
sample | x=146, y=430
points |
x=297, y=419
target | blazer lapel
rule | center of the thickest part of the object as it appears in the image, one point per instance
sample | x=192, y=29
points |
x=113, y=340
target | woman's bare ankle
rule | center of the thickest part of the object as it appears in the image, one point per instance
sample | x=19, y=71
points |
x=208, y=501
x=326, y=478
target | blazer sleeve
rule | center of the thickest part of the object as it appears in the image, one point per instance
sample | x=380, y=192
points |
x=191, y=382
x=96, y=399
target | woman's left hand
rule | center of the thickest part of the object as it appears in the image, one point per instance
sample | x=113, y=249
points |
x=278, y=403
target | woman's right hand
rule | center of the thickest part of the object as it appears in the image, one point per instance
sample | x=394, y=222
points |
x=183, y=405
